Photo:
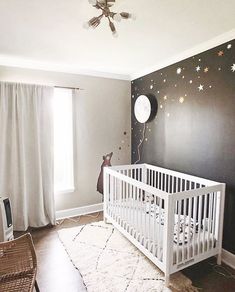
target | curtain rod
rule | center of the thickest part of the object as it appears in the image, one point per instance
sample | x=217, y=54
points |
x=67, y=87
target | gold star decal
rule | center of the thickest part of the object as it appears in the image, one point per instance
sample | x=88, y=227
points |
x=206, y=70
x=220, y=53
x=165, y=97
x=181, y=99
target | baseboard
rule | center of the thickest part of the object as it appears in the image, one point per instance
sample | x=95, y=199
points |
x=228, y=258
x=68, y=213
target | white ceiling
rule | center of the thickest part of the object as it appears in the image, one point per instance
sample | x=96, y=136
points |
x=49, y=34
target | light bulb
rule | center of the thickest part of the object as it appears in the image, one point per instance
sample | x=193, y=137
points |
x=92, y=2
x=86, y=25
x=133, y=16
x=117, y=17
x=115, y=34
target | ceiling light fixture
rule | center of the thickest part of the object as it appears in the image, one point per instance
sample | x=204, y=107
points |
x=105, y=5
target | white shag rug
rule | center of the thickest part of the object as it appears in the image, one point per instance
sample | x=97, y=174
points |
x=108, y=262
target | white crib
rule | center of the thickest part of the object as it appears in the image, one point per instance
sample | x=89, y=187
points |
x=175, y=219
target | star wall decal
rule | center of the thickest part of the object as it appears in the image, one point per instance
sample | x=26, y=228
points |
x=229, y=46
x=200, y=87
x=233, y=68
x=198, y=68
x=181, y=99
x=179, y=70
x=206, y=70
x=220, y=53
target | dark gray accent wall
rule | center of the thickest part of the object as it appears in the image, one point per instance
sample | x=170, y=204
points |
x=194, y=129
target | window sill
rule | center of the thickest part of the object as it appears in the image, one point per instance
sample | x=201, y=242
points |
x=68, y=191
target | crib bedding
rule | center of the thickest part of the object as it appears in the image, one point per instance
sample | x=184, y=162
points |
x=183, y=225
x=186, y=245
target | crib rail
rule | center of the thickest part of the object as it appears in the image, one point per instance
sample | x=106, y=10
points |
x=156, y=208
x=200, y=214
x=173, y=181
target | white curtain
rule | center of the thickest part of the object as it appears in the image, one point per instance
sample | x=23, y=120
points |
x=26, y=153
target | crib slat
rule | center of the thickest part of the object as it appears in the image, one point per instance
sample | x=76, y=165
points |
x=145, y=220
x=189, y=225
x=177, y=185
x=156, y=179
x=111, y=195
x=139, y=213
x=141, y=216
x=154, y=224
x=123, y=201
x=127, y=200
x=164, y=182
x=209, y=223
x=149, y=223
x=183, y=241
x=136, y=211
x=205, y=222
x=160, y=229
x=169, y=186
x=214, y=219
x=195, y=204
x=133, y=209
x=200, y=224
x=151, y=177
x=128, y=204
x=178, y=228
x=119, y=199
x=114, y=198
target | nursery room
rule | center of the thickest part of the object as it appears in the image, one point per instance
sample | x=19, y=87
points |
x=117, y=153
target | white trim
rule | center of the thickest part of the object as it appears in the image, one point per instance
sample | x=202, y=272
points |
x=216, y=41
x=68, y=213
x=10, y=61
x=228, y=258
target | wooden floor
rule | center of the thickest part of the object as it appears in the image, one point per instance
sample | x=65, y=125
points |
x=57, y=274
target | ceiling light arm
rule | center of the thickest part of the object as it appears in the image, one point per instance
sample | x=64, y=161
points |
x=98, y=6
x=111, y=25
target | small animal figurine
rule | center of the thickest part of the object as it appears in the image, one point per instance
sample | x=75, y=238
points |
x=106, y=162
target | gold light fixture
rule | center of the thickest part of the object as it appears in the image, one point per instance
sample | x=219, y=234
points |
x=104, y=6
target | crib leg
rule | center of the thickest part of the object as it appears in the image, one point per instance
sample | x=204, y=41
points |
x=167, y=280
x=219, y=259
x=106, y=221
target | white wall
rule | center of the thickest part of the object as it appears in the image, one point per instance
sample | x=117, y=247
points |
x=103, y=117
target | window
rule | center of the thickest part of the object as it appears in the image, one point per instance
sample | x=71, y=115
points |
x=63, y=141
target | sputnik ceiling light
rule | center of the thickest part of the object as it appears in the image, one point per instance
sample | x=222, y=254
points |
x=104, y=6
